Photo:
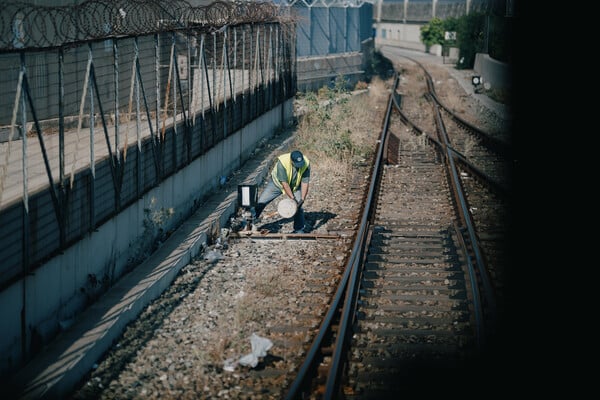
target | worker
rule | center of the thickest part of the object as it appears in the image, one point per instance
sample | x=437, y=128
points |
x=289, y=176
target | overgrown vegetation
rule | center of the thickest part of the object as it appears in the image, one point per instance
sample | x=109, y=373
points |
x=433, y=32
x=336, y=126
x=379, y=66
x=475, y=33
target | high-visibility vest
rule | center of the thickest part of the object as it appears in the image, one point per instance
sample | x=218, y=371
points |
x=286, y=161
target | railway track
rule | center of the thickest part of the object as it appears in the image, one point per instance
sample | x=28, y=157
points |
x=423, y=303
x=413, y=312
x=485, y=160
x=353, y=322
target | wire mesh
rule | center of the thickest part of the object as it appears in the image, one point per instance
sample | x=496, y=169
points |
x=24, y=26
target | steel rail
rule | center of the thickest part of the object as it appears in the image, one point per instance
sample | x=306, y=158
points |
x=491, y=143
x=333, y=381
x=475, y=270
x=485, y=179
x=481, y=290
x=481, y=176
x=360, y=246
x=463, y=209
x=451, y=155
x=346, y=290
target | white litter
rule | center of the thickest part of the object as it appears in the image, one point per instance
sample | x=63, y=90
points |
x=260, y=346
x=229, y=365
x=213, y=256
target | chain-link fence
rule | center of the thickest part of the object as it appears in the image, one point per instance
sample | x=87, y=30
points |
x=104, y=100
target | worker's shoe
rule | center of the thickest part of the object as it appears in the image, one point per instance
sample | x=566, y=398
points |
x=299, y=230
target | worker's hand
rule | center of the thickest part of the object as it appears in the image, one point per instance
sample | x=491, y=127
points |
x=300, y=203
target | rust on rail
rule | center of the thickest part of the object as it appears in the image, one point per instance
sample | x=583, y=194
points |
x=277, y=235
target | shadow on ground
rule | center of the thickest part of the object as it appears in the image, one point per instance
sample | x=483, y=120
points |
x=313, y=220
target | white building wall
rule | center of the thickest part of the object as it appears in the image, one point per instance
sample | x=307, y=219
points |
x=407, y=35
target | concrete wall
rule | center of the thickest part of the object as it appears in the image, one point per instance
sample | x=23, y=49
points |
x=316, y=72
x=496, y=73
x=405, y=35
x=59, y=290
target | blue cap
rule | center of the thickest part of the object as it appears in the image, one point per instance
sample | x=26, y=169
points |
x=297, y=159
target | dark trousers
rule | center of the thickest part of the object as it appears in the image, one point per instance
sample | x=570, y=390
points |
x=270, y=193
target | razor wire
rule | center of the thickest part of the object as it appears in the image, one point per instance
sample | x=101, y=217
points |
x=25, y=26
x=101, y=82
x=327, y=3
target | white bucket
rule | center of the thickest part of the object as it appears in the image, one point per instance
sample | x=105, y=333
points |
x=287, y=208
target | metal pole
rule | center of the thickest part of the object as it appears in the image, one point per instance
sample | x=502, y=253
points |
x=25, y=220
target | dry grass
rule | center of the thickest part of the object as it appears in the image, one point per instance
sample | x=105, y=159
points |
x=337, y=128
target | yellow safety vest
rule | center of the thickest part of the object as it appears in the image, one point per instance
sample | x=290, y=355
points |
x=286, y=161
